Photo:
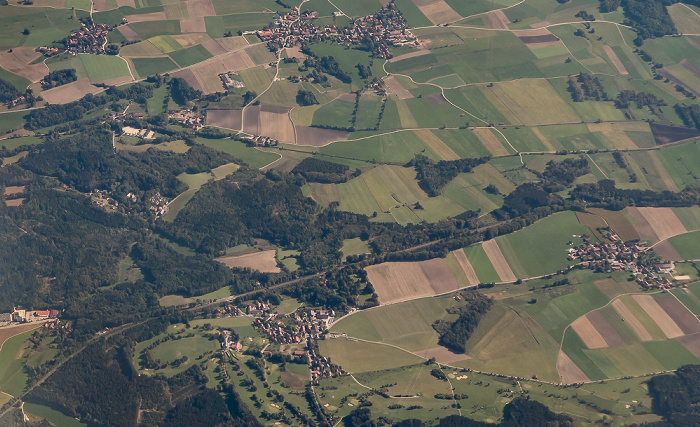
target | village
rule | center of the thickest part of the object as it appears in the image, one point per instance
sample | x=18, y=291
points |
x=294, y=331
x=89, y=39
x=375, y=32
x=619, y=256
x=186, y=118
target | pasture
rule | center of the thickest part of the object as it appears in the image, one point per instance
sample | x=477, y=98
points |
x=104, y=67
x=249, y=155
x=352, y=355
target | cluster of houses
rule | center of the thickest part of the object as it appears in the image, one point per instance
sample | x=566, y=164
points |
x=620, y=256
x=48, y=51
x=386, y=27
x=20, y=315
x=17, y=101
x=304, y=327
x=159, y=204
x=103, y=199
x=228, y=81
x=89, y=39
x=187, y=118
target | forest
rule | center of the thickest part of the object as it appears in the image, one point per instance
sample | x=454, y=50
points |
x=454, y=335
x=432, y=177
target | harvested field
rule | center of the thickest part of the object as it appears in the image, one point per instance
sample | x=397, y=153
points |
x=401, y=281
x=663, y=222
x=232, y=43
x=436, y=144
x=251, y=120
x=692, y=343
x=498, y=260
x=15, y=189
x=491, y=142
x=605, y=329
x=200, y=8
x=264, y=261
x=148, y=17
x=317, y=137
x=397, y=88
x=193, y=25
x=569, y=373
x=531, y=102
x=69, y=92
x=116, y=81
x=588, y=333
x=631, y=320
x=498, y=19
x=665, y=134
x=436, y=99
x=15, y=202
x=213, y=47
x=192, y=39
x=616, y=132
x=283, y=164
x=278, y=126
x=18, y=62
x=466, y=267
x=129, y=34
x=227, y=119
x=615, y=60
x=417, y=52
x=188, y=75
x=618, y=221
x=276, y=109
x=659, y=315
x=437, y=11
x=667, y=252
x=207, y=72
x=11, y=331
x=128, y=3
x=441, y=355
x=686, y=320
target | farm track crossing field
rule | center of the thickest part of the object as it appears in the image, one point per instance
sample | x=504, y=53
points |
x=352, y=355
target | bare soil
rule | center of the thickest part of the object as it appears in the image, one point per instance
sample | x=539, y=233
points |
x=69, y=92
x=397, y=88
x=18, y=62
x=665, y=134
x=442, y=355
x=227, y=119
x=401, y=281
x=588, y=333
x=194, y=24
x=692, y=343
x=569, y=373
x=615, y=60
x=15, y=189
x=264, y=261
x=317, y=137
x=147, y=17
x=466, y=267
x=687, y=321
x=663, y=221
x=437, y=11
x=129, y=34
x=606, y=330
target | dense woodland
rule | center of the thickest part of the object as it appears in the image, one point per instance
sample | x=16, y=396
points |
x=432, y=177
x=454, y=335
x=676, y=396
x=7, y=91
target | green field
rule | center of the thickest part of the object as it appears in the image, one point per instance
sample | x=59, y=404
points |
x=150, y=66
x=104, y=67
x=9, y=121
x=687, y=245
x=482, y=266
x=146, y=30
x=368, y=112
x=239, y=150
x=354, y=246
x=351, y=355
x=13, y=379
x=338, y=114
x=190, y=56
x=19, y=82
x=541, y=248
x=51, y=415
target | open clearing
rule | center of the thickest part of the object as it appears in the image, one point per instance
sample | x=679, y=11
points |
x=69, y=92
x=498, y=261
x=264, y=261
x=401, y=281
